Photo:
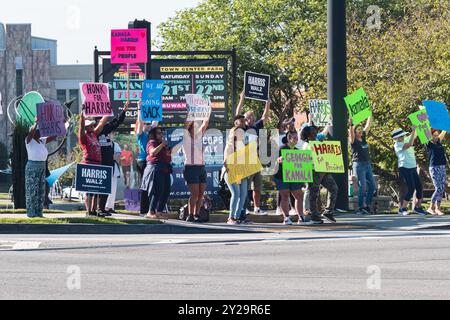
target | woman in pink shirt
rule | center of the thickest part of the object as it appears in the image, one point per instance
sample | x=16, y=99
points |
x=88, y=137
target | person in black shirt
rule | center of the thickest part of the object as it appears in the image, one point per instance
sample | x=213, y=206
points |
x=438, y=167
x=288, y=189
x=362, y=165
x=108, y=151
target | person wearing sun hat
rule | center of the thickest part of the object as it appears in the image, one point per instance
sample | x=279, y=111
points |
x=407, y=165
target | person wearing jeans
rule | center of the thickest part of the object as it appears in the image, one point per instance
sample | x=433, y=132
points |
x=362, y=165
x=408, y=171
x=438, y=168
x=239, y=189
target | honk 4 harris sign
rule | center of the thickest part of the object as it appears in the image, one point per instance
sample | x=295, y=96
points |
x=95, y=97
x=328, y=156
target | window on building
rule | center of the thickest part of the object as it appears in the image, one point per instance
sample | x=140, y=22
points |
x=19, y=83
x=61, y=96
x=74, y=94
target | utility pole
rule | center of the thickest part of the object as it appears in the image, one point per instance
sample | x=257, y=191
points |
x=337, y=88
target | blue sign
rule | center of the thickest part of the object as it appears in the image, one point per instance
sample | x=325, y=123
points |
x=151, y=108
x=94, y=179
x=213, y=147
x=438, y=115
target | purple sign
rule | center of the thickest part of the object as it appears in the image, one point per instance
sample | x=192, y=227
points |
x=50, y=117
x=132, y=200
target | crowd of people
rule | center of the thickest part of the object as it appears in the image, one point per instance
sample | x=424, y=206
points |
x=153, y=162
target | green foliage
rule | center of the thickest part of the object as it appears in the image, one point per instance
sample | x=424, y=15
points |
x=404, y=62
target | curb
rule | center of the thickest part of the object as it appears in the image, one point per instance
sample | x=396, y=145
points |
x=166, y=228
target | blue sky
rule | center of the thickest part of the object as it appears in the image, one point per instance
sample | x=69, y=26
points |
x=79, y=25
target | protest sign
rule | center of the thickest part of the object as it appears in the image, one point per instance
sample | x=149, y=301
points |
x=95, y=97
x=213, y=146
x=50, y=117
x=26, y=111
x=243, y=163
x=199, y=107
x=151, y=108
x=297, y=166
x=320, y=112
x=93, y=179
x=420, y=120
x=358, y=106
x=129, y=46
x=257, y=86
x=438, y=115
x=328, y=156
x=132, y=200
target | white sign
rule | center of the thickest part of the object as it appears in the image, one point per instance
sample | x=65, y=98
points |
x=199, y=107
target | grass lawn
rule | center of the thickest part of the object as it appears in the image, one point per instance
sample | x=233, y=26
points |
x=99, y=221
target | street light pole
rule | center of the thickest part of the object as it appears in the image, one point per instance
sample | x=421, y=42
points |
x=337, y=88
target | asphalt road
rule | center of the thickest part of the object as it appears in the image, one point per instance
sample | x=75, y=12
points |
x=300, y=265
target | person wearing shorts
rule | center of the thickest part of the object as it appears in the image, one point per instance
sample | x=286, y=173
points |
x=194, y=166
x=288, y=189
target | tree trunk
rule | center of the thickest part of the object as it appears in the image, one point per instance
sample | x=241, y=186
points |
x=18, y=162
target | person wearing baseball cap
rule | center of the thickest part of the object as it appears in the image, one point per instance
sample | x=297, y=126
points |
x=407, y=165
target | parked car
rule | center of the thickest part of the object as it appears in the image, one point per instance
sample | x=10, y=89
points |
x=72, y=193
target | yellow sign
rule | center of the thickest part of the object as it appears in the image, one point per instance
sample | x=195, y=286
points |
x=243, y=163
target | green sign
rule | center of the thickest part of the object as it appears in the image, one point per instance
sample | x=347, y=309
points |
x=26, y=111
x=328, y=156
x=298, y=166
x=358, y=106
x=420, y=120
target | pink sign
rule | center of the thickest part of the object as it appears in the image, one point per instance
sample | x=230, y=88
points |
x=95, y=97
x=129, y=46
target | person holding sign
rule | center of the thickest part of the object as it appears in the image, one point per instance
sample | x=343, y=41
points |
x=35, y=171
x=309, y=134
x=407, y=165
x=194, y=166
x=239, y=189
x=252, y=128
x=88, y=133
x=362, y=165
x=156, y=180
x=107, y=149
x=142, y=130
x=288, y=189
x=438, y=167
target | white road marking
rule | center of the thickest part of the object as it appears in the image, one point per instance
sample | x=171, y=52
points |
x=19, y=245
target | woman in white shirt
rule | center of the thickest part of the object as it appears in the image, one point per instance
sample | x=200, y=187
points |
x=407, y=165
x=35, y=172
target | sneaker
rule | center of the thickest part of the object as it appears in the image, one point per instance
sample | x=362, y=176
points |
x=232, y=222
x=316, y=219
x=304, y=221
x=288, y=222
x=420, y=211
x=362, y=212
x=190, y=219
x=260, y=212
x=403, y=212
x=105, y=213
x=329, y=216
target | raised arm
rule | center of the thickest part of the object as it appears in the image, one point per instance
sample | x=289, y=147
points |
x=241, y=103
x=266, y=113
x=412, y=140
x=351, y=131
x=81, y=128
x=442, y=136
x=139, y=123
x=368, y=125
